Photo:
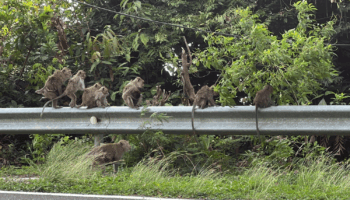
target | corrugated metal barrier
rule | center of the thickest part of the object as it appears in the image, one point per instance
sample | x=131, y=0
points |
x=238, y=120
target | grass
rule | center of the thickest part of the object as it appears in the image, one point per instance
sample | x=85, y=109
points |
x=67, y=171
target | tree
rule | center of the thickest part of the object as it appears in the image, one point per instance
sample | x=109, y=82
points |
x=295, y=65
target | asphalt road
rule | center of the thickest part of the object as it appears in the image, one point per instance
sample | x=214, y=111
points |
x=10, y=195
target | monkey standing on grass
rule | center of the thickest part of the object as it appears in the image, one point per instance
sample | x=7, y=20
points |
x=109, y=152
x=74, y=84
x=262, y=100
x=204, y=97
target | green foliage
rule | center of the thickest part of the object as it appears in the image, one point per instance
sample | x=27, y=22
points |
x=67, y=161
x=312, y=178
x=41, y=145
x=338, y=98
x=294, y=65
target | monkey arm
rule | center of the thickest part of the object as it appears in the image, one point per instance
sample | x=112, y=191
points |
x=139, y=101
x=211, y=102
x=59, y=88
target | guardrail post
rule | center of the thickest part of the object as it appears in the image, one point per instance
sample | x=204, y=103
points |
x=98, y=139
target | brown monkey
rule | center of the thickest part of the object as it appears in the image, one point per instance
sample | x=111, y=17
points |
x=262, y=100
x=132, y=92
x=54, y=84
x=88, y=98
x=109, y=152
x=204, y=97
x=74, y=84
x=101, y=97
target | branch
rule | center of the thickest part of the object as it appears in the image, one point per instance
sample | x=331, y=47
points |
x=189, y=52
x=25, y=62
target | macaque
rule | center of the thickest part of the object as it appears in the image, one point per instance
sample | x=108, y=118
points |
x=132, y=92
x=109, y=152
x=262, y=100
x=54, y=84
x=88, y=98
x=101, y=97
x=74, y=84
x=203, y=98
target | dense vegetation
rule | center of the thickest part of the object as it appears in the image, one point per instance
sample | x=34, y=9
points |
x=284, y=43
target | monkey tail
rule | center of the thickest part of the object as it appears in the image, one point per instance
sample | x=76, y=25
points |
x=257, y=126
x=193, y=108
x=194, y=130
x=42, y=112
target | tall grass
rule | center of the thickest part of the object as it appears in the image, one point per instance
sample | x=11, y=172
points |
x=309, y=178
x=67, y=162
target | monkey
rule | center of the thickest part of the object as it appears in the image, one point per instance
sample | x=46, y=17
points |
x=204, y=97
x=109, y=152
x=88, y=98
x=100, y=97
x=132, y=93
x=74, y=84
x=262, y=100
x=54, y=84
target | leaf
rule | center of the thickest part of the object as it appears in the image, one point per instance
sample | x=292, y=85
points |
x=328, y=93
x=123, y=3
x=113, y=95
x=135, y=43
x=144, y=39
x=127, y=57
x=107, y=62
x=93, y=66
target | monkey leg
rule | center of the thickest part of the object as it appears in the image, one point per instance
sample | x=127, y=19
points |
x=82, y=104
x=105, y=102
x=51, y=95
x=129, y=102
x=99, y=104
x=54, y=104
x=138, y=104
x=73, y=100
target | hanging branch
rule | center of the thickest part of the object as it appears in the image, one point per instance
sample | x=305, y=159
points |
x=187, y=86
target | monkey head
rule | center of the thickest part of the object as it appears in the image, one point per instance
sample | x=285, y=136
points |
x=97, y=85
x=104, y=91
x=125, y=145
x=269, y=89
x=81, y=74
x=66, y=73
x=140, y=81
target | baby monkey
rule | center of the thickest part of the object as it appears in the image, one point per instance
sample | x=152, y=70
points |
x=91, y=93
x=54, y=84
x=262, y=100
x=74, y=84
x=132, y=92
x=101, y=97
x=204, y=97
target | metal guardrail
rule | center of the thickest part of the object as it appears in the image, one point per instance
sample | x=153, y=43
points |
x=238, y=120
